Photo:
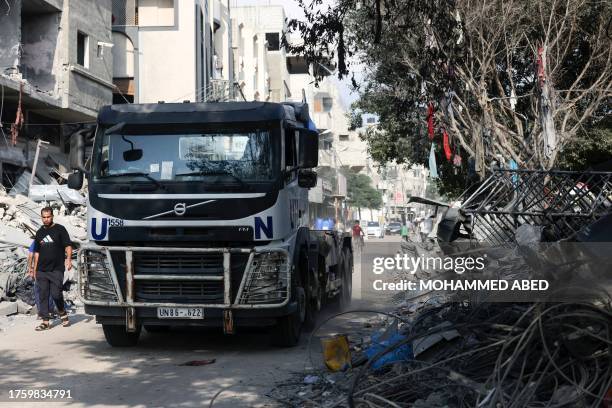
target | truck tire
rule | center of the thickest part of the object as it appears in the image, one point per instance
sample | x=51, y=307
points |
x=287, y=331
x=117, y=336
x=343, y=299
x=314, y=300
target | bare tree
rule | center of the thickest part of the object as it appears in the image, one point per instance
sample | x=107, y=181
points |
x=510, y=79
x=525, y=114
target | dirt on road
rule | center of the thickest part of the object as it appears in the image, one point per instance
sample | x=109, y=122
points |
x=78, y=359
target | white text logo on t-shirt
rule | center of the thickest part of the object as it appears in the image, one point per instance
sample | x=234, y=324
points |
x=47, y=240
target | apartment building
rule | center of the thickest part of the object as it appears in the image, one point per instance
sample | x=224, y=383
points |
x=171, y=50
x=259, y=58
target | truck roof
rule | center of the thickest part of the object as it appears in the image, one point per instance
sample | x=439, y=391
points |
x=188, y=113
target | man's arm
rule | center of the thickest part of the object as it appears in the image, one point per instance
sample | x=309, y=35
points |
x=35, y=264
x=68, y=257
x=31, y=264
x=68, y=249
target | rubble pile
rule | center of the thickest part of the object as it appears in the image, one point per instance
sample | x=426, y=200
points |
x=461, y=354
x=460, y=349
x=522, y=355
x=19, y=221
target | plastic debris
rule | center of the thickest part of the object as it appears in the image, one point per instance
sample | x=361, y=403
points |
x=336, y=352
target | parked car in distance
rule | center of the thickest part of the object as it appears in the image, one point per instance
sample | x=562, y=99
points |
x=374, y=230
x=394, y=227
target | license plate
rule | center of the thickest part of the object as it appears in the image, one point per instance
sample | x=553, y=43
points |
x=180, y=313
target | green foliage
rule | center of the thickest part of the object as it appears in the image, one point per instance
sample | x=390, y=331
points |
x=360, y=192
x=591, y=147
x=355, y=119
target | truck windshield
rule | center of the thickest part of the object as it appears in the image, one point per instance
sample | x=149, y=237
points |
x=226, y=157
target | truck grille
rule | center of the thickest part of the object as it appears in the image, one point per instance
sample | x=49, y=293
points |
x=177, y=263
x=180, y=292
x=187, y=264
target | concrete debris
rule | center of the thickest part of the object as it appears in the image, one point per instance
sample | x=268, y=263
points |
x=469, y=352
x=311, y=379
x=23, y=307
x=19, y=221
x=14, y=236
x=425, y=343
x=56, y=193
x=8, y=308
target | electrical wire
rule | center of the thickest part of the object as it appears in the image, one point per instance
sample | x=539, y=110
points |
x=525, y=355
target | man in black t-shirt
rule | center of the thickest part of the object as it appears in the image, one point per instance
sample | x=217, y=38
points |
x=52, y=254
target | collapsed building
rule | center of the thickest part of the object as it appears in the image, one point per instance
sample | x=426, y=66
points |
x=55, y=73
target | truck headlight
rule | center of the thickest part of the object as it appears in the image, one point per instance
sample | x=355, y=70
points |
x=267, y=279
x=96, y=283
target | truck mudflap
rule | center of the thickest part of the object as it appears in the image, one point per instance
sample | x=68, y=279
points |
x=109, y=277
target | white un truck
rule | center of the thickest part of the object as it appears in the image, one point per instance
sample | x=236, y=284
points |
x=198, y=216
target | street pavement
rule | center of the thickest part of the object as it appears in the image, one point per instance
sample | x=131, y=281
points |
x=77, y=358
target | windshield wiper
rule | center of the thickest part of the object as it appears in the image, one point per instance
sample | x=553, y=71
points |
x=214, y=173
x=136, y=173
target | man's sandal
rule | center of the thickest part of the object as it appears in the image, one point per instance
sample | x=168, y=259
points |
x=65, y=320
x=43, y=326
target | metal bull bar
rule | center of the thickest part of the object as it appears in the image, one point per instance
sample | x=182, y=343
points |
x=128, y=301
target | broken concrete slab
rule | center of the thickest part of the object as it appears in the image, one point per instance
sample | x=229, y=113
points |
x=56, y=193
x=14, y=236
x=8, y=308
x=23, y=307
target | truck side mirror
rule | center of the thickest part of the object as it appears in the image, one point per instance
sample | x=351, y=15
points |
x=77, y=150
x=75, y=180
x=308, y=149
x=307, y=178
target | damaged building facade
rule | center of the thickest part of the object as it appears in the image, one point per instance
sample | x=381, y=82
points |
x=55, y=74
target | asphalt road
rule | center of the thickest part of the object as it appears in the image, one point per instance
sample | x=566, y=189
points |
x=78, y=359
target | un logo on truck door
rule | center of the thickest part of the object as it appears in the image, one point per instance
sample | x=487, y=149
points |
x=265, y=228
x=103, y=230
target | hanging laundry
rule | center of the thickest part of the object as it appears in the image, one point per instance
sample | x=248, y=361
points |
x=449, y=104
x=514, y=166
x=447, y=149
x=457, y=160
x=433, y=168
x=430, y=121
x=540, y=66
x=458, y=27
x=16, y=126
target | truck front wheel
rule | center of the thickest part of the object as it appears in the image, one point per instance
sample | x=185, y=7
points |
x=343, y=299
x=117, y=336
x=288, y=328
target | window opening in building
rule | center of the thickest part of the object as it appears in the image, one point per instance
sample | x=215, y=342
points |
x=82, y=49
x=273, y=40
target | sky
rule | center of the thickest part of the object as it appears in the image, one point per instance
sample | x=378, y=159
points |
x=292, y=10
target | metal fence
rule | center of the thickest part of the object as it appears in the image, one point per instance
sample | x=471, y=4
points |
x=562, y=202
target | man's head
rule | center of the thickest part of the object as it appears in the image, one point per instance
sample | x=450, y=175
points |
x=356, y=222
x=47, y=216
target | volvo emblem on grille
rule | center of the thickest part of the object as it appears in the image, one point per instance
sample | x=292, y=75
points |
x=180, y=209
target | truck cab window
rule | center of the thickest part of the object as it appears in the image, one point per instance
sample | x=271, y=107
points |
x=191, y=156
